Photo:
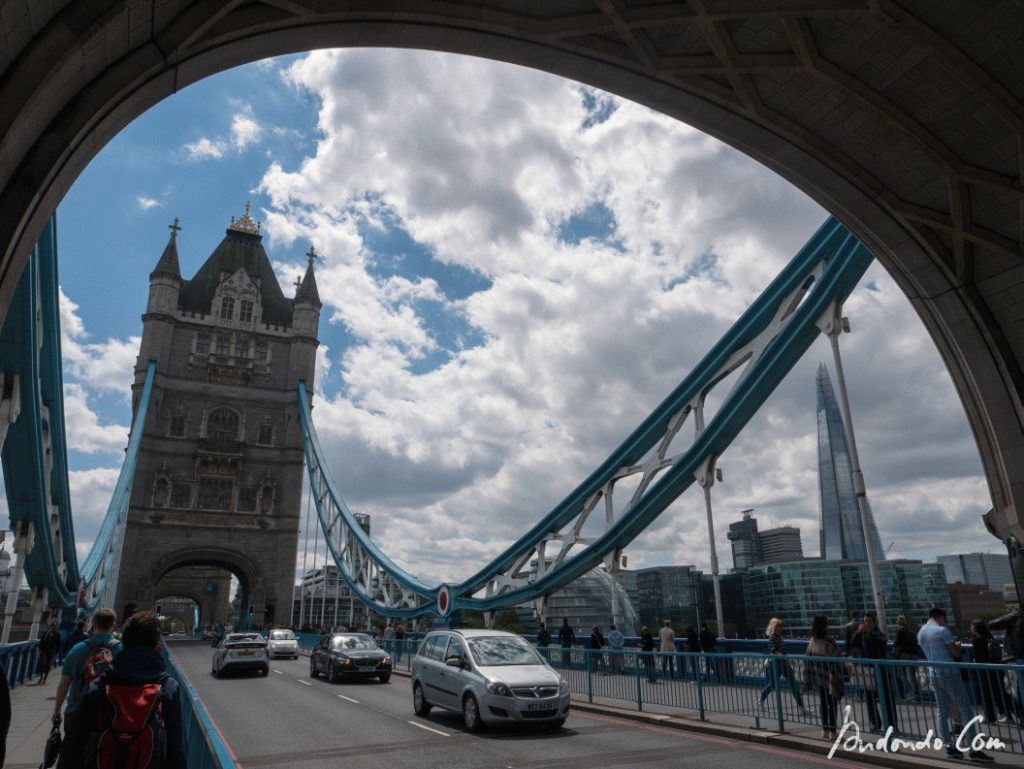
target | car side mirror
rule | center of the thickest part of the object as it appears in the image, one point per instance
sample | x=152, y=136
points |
x=454, y=662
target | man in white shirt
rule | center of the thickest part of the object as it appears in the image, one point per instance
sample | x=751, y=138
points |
x=615, y=641
x=668, y=649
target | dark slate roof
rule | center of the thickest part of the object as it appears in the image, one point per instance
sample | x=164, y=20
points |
x=168, y=266
x=307, y=291
x=238, y=250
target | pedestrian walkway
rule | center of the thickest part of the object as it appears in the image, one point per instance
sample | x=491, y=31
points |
x=31, y=709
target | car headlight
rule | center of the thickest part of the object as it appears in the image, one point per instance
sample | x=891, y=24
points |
x=385, y=660
x=563, y=686
x=344, y=660
x=497, y=687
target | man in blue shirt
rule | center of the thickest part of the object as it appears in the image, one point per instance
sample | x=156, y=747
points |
x=939, y=645
x=73, y=671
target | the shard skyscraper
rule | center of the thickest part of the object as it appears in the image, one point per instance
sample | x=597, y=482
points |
x=842, y=535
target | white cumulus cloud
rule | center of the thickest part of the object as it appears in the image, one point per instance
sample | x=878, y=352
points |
x=205, y=149
x=244, y=131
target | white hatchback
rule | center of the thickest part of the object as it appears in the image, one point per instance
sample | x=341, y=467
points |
x=241, y=652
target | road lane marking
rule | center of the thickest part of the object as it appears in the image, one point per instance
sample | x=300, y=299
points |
x=429, y=728
x=349, y=699
x=307, y=683
x=279, y=672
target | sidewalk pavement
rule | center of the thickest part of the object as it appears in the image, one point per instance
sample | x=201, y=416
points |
x=31, y=708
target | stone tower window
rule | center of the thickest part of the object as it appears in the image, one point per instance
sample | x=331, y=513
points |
x=245, y=311
x=227, y=308
x=161, y=491
x=260, y=353
x=215, y=493
x=181, y=494
x=177, y=428
x=222, y=425
x=241, y=348
x=222, y=345
x=247, y=499
x=203, y=344
x=266, y=435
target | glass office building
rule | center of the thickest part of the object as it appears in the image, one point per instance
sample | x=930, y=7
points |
x=585, y=602
x=670, y=592
x=989, y=569
x=797, y=591
x=842, y=535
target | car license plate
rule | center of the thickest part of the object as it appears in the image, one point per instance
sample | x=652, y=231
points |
x=245, y=654
x=538, y=706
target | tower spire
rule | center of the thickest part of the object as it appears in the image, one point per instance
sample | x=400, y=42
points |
x=307, y=290
x=168, y=266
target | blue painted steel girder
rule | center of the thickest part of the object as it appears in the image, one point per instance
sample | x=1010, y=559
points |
x=841, y=261
x=35, y=469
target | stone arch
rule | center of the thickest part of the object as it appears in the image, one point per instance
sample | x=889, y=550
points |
x=204, y=611
x=252, y=580
x=934, y=193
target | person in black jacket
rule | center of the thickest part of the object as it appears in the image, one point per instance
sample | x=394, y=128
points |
x=140, y=662
x=49, y=645
x=76, y=636
x=566, y=638
x=905, y=647
x=647, y=652
x=869, y=643
x=693, y=647
x=1013, y=644
x=708, y=642
x=990, y=684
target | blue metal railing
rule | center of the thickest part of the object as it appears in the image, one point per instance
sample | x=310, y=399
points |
x=21, y=661
x=205, y=747
x=772, y=692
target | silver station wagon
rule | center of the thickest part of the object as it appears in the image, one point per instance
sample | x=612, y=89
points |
x=490, y=676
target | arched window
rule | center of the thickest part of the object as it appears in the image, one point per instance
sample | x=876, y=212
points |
x=227, y=308
x=245, y=311
x=222, y=425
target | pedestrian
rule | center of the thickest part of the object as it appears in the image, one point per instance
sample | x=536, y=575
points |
x=135, y=697
x=85, y=662
x=938, y=645
x=647, y=652
x=905, y=647
x=693, y=647
x=1013, y=651
x=49, y=646
x=851, y=628
x=566, y=638
x=775, y=668
x=596, y=644
x=667, y=647
x=615, y=641
x=990, y=683
x=708, y=642
x=543, y=641
x=870, y=643
x=826, y=678
x=389, y=638
x=399, y=640
x=77, y=635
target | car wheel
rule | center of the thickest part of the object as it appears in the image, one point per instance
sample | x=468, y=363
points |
x=419, y=702
x=332, y=676
x=471, y=714
x=265, y=671
x=384, y=677
x=312, y=670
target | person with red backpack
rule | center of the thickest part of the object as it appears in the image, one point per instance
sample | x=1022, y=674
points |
x=131, y=718
x=84, y=663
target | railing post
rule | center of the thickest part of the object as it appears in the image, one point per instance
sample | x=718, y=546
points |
x=777, y=680
x=590, y=675
x=639, y=686
x=699, y=679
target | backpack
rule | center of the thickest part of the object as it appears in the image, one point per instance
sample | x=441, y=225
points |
x=131, y=733
x=543, y=636
x=97, y=665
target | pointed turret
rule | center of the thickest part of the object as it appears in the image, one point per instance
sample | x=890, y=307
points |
x=307, y=292
x=168, y=266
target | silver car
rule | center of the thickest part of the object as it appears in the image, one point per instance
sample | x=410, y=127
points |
x=490, y=676
x=283, y=643
x=240, y=652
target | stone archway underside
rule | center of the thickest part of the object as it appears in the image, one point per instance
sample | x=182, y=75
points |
x=902, y=117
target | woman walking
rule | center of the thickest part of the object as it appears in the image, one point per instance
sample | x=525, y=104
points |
x=774, y=669
x=990, y=684
x=824, y=677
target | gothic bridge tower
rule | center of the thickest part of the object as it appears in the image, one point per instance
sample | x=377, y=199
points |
x=219, y=476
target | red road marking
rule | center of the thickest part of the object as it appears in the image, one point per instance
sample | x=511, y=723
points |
x=683, y=734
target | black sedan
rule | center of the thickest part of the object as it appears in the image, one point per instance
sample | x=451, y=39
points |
x=349, y=655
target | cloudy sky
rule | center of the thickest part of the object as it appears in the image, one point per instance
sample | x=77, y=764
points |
x=518, y=270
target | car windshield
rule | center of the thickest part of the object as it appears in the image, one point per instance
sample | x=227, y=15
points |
x=503, y=650
x=349, y=642
x=237, y=638
x=282, y=635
